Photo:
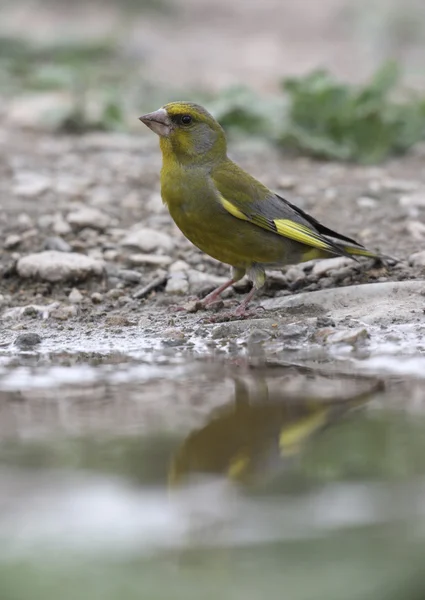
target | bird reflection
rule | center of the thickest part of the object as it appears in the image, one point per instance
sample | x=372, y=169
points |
x=258, y=433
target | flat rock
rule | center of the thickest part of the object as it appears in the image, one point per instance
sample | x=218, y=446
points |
x=417, y=259
x=147, y=240
x=416, y=200
x=158, y=260
x=380, y=303
x=27, y=340
x=30, y=185
x=55, y=266
x=89, y=217
x=177, y=283
x=330, y=264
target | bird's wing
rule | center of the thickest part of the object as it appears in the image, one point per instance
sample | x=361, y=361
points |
x=245, y=198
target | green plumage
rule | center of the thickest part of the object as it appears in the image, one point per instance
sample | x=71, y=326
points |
x=227, y=213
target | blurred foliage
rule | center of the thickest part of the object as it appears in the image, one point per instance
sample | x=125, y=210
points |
x=90, y=76
x=100, y=86
x=332, y=120
x=325, y=118
x=239, y=108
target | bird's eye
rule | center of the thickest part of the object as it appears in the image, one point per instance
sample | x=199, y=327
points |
x=186, y=120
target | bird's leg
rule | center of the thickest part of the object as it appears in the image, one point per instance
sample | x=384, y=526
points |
x=241, y=309
x=258, y=276
x=237, y=274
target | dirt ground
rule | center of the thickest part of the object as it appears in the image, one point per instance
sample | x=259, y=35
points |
x=49, y=181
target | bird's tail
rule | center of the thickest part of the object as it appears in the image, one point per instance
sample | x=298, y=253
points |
x=354, y=251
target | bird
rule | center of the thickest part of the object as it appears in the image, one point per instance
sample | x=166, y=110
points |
x=226, y=212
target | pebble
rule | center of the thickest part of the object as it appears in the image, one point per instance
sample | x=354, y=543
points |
x=199, y=280
x=416, y=230
x=24, y=221
x=155, y=204
x=179, y=265
x=60, y=226
x=294, y=274
x=286, y=182
x=12, y=241
x=30, y=310
x=57, y=243
x=75, y=296
x=157, y=260
x=92, y=218
x=417, y=259
x=114, y=293
x=30, y=185
x=348, y=336
x=366, y=202
x=96, y=298
x=27, y=340
x=400, y=185
x=129, y=275
x=329, y=264
x=416, y=200
x=177, y=283
x=118, y=321
x=63, y=313
x=55, y=266
x=147, y=240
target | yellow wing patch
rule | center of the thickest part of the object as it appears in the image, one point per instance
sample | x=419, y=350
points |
x=284, y=227
x=300, y=233
x=231, y=208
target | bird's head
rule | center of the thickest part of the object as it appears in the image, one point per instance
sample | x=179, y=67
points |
x=188, y=131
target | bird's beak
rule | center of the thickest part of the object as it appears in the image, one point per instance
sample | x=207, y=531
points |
x=158, y=121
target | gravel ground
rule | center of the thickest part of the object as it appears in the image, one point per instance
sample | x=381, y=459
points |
x=84, y=234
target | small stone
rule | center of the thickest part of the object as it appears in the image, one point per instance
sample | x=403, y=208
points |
x=30, y=185
x=129, y=275
x=147, y=240
x=63, y=313
x=177, y=283
x=286, y=182
x=70, y=185
x=328, y=264
x=61, y=227
x=155, y=204
x=417, y=259
x=27, y=340
x=179, y=265
x=331, y=193
x=31, y=310
x=12, y=241
x=416, y=200
x=118, y=321
x=89, y=217
x=57, y=243
x=294, y=274
x=24, y=221
x=199, y=280
x=257, y=336
x=111, y=255
x=96, y=298
x=157, y=260
x=366, y=202
x=348, y=336
x=400, y=185
x=75, y=296
x=416, y=230
x=54, y=266
x=114, y=293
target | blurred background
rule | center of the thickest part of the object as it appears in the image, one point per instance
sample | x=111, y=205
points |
x=146, y=50
x=315, y=485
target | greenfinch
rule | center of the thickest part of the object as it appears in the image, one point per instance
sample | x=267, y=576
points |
x=227, y=213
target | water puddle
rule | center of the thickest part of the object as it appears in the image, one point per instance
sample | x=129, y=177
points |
x=231, y=460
